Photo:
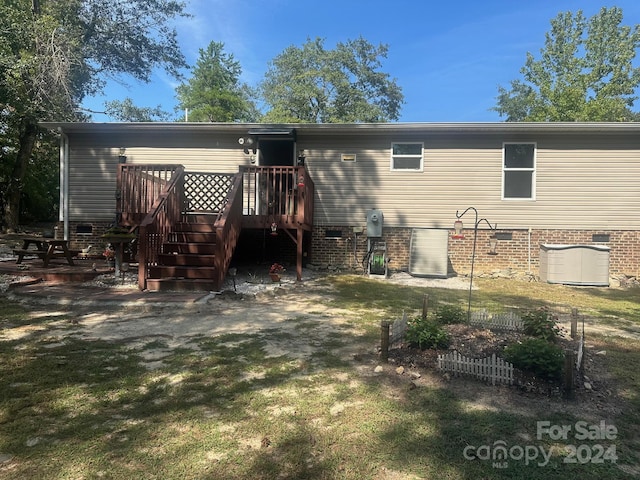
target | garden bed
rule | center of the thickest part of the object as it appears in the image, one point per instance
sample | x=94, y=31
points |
x=478, y=342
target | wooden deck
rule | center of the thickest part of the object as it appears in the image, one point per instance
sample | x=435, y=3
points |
x=280, y=195
x=159, y=200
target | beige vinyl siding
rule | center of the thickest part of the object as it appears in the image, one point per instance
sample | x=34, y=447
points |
x=94, y=160
x=581, y=182
x=417, y=199
x=92, y=183
x=584, y=182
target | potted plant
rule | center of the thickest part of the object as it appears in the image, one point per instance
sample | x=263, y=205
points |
x=275, y=271
x=109, y=255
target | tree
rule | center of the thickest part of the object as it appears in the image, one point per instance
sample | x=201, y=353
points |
x=214, y=93
x=316, y=85
x=54, y=53
x=585, y=72
x=126, y=111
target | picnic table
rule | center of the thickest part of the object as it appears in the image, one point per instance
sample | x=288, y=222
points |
x=45, y=248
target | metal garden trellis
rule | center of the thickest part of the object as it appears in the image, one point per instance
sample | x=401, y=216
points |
x=458, y=229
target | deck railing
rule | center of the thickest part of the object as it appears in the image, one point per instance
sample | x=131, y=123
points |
x=306, y=195
x=138, y=187
x=156, y=197
x=158, y=223
x=282, y=195
x=228, y=225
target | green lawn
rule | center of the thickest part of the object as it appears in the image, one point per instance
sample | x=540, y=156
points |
x=227, y=407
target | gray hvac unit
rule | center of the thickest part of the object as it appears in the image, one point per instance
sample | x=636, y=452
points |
x=429, y=252
x=575, y=264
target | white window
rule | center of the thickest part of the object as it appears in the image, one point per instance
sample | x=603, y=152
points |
x=406, y=156
x=519, y=171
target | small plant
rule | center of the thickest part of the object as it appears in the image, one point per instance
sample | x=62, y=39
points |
x=537, y=356
x=425, y=334
x=450, y=314
x=276, y=268
x=109, y=253
x=541, y=323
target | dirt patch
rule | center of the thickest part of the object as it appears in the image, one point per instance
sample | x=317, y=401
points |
x=298, y=319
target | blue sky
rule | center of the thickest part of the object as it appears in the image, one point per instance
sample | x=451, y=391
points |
x=449, y=57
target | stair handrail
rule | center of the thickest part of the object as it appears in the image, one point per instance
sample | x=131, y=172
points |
x=228, y=225
x=138, y=186
x=154, y=229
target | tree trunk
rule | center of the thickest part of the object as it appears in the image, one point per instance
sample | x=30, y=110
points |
x=11, y=214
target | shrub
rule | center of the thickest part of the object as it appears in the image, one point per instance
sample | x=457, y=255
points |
x=425, y=334
x=541, y=323
x=537, y=356
x=449, y=314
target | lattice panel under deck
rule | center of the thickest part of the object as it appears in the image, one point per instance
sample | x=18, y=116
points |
x=206, y=192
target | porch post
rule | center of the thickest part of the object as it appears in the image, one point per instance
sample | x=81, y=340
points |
x=142, y=257
x=299, y=254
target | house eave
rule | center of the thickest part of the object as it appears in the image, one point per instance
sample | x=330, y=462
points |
x=428, y=128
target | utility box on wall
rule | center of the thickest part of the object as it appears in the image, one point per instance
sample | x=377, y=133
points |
x=374, y=223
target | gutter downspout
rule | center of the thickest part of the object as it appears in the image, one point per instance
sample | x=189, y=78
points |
x=63, y=214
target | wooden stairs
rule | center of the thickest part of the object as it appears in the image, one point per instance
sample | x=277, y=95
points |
x=186, y=261
x=189, y=223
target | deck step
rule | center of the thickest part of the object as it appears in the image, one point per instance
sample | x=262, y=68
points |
x=186, y=259
x=195, y=227
x=182, y=271
x=193, y=237
x=189, y=247
x=202, y=218
x=180, y=285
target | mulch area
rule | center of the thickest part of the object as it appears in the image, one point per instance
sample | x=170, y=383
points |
x=480, y=343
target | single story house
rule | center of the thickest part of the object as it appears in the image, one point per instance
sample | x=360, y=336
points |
x=367, y=196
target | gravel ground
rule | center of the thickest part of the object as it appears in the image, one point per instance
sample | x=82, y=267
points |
x=249, y=284
x=249, y=280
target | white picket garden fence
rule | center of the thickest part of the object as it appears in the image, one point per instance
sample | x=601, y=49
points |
x=497, y=321
x=493, y=369
x=398, y=329
x=580, y=355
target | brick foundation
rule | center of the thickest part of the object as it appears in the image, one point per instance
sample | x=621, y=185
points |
x=80, y=238
x=520, y=253
x=346, y=249
x=350, y=250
